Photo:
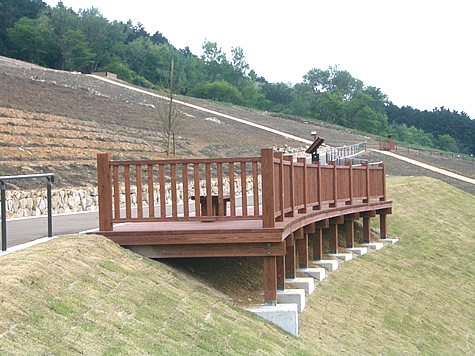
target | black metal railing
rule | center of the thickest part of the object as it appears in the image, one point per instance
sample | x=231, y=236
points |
x=50, y=179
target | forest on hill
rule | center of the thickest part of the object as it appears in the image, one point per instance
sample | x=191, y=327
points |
x=85, y=41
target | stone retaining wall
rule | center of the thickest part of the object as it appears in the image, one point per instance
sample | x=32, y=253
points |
x=24, y=203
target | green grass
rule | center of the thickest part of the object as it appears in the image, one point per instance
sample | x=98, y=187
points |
x=86, y=295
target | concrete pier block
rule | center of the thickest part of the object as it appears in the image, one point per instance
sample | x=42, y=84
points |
x=292, y=296
x=342, y=256
x=360, y=251
x=285, y=316
x=308, y=284
x=374, y=245
x=391, y=241
x=317, y=273
x=331, y=265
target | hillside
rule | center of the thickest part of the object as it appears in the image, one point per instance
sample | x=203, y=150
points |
x=56, y=121
x=86, y=295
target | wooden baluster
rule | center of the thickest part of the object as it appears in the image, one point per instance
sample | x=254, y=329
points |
x=384, y=182
x=138, y=175
x=319, y=185
x=255, y=188
x=173, y=189
x=209, y=198
x=128, y=202
x=186, y=206
x=116, y=192
x=244, y=188
x=151, y=192
x=232, y=191
x=290, y=159
x=163, y=203
x=280, y=156
x=335, y=188
x=221, y=204
x=196, y=173
x=367, y=199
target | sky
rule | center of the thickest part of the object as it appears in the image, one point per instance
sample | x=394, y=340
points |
x=419, y=53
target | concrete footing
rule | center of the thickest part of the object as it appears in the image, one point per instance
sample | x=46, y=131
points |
x=391, y=241
x=330, y=265
x=374, y=245
x=285, y=316
x=292, y=296
x=318, y=273
x=342, y=256
x=360, y=251
x=307, y=284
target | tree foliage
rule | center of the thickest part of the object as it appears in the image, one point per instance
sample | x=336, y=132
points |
x=57, y=37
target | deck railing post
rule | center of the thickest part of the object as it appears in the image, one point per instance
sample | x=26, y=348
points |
x=303, y=185
x=350, y=182
x=268, y=198
x=290, y=159
x=105, y=191
x=335, y=188
x=383, y=198
x=366, y=164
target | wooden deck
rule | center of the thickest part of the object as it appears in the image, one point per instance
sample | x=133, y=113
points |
x=259, y=206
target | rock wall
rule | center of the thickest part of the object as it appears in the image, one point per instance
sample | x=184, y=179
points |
x=24, y=203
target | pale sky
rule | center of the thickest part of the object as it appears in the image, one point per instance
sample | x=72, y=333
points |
x=420, y=53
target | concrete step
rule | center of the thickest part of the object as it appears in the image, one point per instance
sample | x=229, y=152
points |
x=390, y=241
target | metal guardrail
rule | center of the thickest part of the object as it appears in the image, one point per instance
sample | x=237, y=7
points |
x=338, y=153
x=50, y=179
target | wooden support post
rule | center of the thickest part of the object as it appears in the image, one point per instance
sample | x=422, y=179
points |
x=350, y=229
x=366, y=229
x=303, y=251
x=290, y=264
x=333, y=238
x=383, y=226
x=270, y=280
x=334, y=233
x=317, y=239
x=368, y=184
x=104, y=181
x=383, y=198
x=267, y=173
x=280, y=272
x=350, y=233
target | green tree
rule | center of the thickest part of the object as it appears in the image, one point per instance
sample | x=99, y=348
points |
x=220, y=90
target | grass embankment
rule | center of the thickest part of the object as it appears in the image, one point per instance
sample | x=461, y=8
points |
x=86, y=295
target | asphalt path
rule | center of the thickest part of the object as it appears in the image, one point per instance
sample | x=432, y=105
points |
x=23, y=230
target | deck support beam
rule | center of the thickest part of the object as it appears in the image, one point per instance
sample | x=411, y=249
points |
x=367, y=225
x=270, y=280
x=303, y=249
x=318, y=238
x=383, y=222
x=334, y=233
x=280, y=272
x=350, y=229
x=290, y=263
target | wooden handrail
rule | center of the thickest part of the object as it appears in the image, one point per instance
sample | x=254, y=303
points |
x=288, y=188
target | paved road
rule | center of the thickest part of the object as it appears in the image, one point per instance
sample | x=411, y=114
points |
x=23, y=230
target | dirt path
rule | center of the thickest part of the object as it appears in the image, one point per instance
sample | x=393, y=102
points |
x=200, y=108
x=428, y=166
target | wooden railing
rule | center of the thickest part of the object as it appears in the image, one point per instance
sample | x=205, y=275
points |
x=199, y=183
x=288, y=187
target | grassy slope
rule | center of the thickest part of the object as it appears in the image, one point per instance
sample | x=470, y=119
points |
x=84, y=294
